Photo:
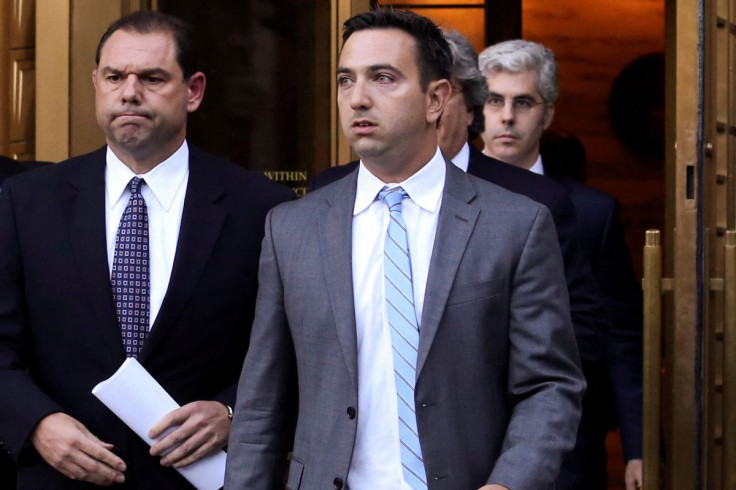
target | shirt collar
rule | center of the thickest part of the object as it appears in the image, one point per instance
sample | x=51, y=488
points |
x=538, y=168
x=424, y=187
x=462, y=159
x=163, y=180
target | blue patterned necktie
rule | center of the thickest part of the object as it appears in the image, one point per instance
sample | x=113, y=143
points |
x=129, y=279
x=402, y=320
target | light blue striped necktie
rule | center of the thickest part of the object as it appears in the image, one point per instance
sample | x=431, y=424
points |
x=402, y=320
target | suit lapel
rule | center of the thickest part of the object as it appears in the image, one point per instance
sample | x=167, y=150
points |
x=455, y=224
x=83, y=206
x=335, y=238
x=201, y=223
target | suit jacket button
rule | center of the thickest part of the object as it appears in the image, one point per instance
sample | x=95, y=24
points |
x=337, y=483
x=351, y=413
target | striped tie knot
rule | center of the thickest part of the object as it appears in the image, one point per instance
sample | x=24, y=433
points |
x=393, y=196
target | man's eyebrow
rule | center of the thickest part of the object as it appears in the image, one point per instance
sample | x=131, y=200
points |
x=109, y=69
x=382, y=67
x=371, y=69
x=386, y=67
x=142, y=73
x=155, y=71
x=520, y=96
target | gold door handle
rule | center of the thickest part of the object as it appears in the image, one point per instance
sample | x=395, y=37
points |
x=652, y=284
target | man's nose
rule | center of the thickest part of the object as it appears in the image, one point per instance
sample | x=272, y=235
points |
x=507, y=112
x=359, y=96
x=131, y=89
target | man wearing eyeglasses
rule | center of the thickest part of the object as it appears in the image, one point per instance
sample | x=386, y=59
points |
x=521, y=101
x=522, y=79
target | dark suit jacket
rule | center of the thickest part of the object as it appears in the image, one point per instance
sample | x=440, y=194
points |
x=10, y=167
x=603, y=241
x=587, y=315
x=498, y=384
x=59, y=334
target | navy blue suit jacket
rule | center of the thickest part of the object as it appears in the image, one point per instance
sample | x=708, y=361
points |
x=603, y=241
x=59, y=334
x=10, y=167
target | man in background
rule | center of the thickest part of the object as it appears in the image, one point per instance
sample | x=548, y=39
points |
x=145, y=248
x=523, y=86
x=419, y=313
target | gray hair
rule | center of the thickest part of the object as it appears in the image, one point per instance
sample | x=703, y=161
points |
x=519, y=55
x=473, y=83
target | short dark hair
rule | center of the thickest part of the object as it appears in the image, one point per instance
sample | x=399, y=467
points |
x=153, y=21
x=433, y=54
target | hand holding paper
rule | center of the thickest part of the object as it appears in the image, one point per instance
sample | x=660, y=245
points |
x=201, y=428
x=134, y=396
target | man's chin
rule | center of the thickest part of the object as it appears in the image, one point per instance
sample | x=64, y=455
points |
x=366, y=149
x=130, y=140
x=505, y=153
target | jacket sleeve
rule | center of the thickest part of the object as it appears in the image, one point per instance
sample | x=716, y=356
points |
x=22, y=403
x=622, y=300
x=263, y=424
x=545, y=383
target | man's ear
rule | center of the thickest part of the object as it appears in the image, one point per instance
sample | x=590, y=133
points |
x=549, y=115
x=438, y=94
x=196, y=84
x=94, y=77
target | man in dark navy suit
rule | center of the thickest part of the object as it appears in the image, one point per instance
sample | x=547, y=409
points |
x=8, y=168
x=61, y=329
x=522, y=82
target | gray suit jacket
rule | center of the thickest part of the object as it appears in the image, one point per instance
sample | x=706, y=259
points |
x=498, y=381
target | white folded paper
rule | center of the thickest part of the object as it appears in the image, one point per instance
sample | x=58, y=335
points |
x=139, y=401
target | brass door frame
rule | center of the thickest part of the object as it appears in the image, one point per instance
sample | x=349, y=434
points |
x=17, y=78
x=719, y=216
x=681, y=407
x=698, y=424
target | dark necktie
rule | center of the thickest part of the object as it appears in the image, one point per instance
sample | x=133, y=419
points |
x=129, y=279
x=402, y=320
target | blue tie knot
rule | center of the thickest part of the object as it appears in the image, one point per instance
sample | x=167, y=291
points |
x=135, y=185
x=393, y=196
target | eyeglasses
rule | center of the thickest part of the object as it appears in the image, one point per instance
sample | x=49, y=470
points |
x=520, y=105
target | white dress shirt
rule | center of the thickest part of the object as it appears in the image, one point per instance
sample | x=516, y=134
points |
x=462, y=159
x=164, y=191
x=538, y=168
x=376, y=462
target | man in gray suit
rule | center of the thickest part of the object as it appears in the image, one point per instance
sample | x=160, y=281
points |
x=477, y=314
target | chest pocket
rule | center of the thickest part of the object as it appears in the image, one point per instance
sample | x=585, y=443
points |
x=468, y=293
